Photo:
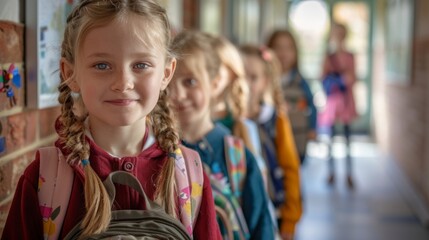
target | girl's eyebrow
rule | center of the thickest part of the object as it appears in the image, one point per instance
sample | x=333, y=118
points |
x=145, y=55
x=137, y=55
x=98, y=55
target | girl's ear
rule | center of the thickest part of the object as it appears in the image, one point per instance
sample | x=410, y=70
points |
x=215, y=86
x=168, y=73
x=67, y=70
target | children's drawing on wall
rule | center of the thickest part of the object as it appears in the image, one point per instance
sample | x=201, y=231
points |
x=10, y=85
x=11, y=62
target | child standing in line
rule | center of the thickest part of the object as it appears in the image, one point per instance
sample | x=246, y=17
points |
x=115, y=67
x=230, y=106
x=230, y=95
x=193, y=87
x=230, y=98
x=276, y=134
x=299, y=98
x=340, y=104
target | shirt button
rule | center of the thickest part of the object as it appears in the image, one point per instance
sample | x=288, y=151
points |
x=128, y=166
x=202, y=145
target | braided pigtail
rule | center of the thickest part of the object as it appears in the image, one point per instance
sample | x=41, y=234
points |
x=237, y=97
x=236, y=93
x=97, y=203
x=273, y=71
x=72, y=135
x=237, y=102
x=168, y=140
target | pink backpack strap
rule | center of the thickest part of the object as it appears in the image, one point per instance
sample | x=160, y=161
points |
x=189, y=181
x=53, y=195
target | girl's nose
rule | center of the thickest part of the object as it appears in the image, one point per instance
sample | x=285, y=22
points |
x=123, y=82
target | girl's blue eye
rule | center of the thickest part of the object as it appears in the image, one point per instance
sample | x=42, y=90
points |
x=101, y=66
x=141, y=65
x=190, y=82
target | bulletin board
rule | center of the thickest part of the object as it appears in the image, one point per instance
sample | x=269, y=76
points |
x=45, y=22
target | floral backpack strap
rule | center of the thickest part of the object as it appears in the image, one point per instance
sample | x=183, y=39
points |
x=189, y=182
x=236, y=163
x=53, y=195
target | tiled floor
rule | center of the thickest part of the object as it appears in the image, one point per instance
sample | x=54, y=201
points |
x=374, y=210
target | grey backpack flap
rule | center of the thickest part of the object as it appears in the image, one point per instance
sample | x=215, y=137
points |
x=152, y=223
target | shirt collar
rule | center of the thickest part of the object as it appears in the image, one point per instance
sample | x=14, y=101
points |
x=148, y=138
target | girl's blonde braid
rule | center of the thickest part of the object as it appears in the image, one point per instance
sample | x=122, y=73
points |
x=168, y=140
x=72, y=135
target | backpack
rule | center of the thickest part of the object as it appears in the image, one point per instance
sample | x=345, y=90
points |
x=54, y=196
x=298, y=111
x=152, y=223
x=267, y=133
x=276, y=189
x=227, y=198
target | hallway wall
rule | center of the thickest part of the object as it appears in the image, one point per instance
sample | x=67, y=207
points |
x=401, y=111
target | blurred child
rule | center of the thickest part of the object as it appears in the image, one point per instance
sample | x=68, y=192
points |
x=268, y=106
x=230, y=106
x=115, y=64
x=301, y=109
x=340, y=104
x=193, y=91
x=230, y=96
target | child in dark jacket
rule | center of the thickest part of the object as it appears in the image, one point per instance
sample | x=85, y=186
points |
x=278, y=143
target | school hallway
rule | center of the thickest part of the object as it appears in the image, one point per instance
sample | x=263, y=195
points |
x=375, y=209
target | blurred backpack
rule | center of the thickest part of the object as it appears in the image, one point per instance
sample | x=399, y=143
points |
x=298, y=110
x=54, y=195
x=276, y=190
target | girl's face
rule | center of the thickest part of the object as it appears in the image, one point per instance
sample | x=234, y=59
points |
x=256, y=78
x=337, y=37
x=191, y=92
x=117, y=74
x=285, y=51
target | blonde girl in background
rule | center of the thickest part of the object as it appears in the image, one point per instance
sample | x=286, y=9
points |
x=195, y=87
x=269, y=110
x=230, y=95
x=115, y=66
x=230, y=98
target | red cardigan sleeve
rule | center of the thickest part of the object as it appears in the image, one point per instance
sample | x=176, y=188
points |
x=207, y=226
x=24, y=220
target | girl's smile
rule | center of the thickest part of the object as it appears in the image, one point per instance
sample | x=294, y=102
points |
x=122, y=102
